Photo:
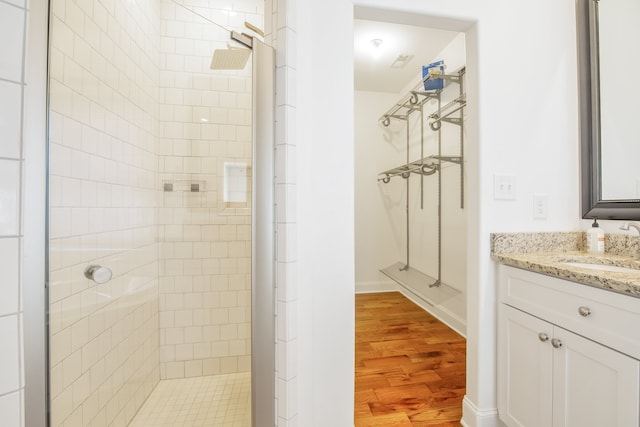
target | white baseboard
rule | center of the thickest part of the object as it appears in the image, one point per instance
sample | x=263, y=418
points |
x=373, y=287
x=472, y=416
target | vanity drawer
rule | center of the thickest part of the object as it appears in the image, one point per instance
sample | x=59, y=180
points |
x=607, y=317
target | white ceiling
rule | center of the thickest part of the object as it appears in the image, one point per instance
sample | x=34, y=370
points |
x=376, y=74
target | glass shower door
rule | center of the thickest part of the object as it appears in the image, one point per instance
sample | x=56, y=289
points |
x=103, y=193
x=150, y=190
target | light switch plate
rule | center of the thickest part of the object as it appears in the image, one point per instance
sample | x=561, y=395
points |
x=504, y=187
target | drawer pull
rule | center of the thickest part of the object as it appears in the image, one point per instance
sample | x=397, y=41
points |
x=543, y=337
x=556, y=343
x=584, y=311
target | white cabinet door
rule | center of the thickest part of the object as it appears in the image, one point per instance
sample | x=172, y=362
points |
x=525, y=368
x=593, y=385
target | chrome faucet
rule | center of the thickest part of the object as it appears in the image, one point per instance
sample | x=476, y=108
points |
x=628, y=224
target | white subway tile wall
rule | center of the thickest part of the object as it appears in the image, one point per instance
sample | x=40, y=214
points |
x=12, y=28
x=281, y=34
x=10, y=191
x=10, y=118
x=10, y=268
x=13, y=15
x=104, y=192
x=205, y=250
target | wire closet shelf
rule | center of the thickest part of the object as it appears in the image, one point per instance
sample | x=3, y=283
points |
x=452, y=112
x=414, y=101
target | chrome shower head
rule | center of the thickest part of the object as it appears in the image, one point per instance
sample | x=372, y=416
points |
x=232, y=58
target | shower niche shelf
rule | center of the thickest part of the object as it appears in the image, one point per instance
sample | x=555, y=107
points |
x=183, y=186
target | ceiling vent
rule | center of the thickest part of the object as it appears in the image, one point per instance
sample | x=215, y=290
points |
x=401, y=61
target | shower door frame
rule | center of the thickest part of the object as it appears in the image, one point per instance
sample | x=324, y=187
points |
x=35, y=400
x=262, y=238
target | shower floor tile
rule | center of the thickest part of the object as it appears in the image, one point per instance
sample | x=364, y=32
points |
x=218, y=400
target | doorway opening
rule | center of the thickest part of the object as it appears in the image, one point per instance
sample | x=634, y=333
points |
x=411, y=221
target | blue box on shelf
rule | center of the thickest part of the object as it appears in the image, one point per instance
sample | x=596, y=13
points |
x=431, y=83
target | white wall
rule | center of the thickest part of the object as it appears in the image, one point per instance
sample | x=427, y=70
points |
x=13, y=18
x=380, y=236
x=325, y=221
x=519, y=123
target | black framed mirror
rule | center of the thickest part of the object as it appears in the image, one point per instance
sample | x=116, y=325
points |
x=610, y=188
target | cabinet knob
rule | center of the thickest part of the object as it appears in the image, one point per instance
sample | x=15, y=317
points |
x=556, y=343
x=584, y=311
x=543, y=337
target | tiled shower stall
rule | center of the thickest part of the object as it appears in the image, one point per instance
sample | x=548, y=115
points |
x=150, y=176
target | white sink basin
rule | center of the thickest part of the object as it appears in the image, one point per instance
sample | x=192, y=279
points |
x=601, y=267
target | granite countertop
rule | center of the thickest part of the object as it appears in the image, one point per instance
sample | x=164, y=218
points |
x=559, y=255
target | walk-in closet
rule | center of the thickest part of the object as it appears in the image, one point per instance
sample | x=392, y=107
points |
x=410, y=171
x=410, y=139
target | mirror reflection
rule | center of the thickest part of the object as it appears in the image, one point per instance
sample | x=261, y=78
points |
x=618, y=33
x=607, y=60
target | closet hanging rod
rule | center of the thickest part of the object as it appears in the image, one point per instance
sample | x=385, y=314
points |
x=410, y=103
x=425, y=167
x=403, y=171
x=437, y=117
x=420, y=170
x=413, y=100
x=456, y=102
x=417, y=167
x=436, y=123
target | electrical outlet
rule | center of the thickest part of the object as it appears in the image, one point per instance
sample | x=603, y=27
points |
x=504, y=187
x=540, y=206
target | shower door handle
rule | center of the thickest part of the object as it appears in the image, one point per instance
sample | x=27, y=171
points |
x=98, y=273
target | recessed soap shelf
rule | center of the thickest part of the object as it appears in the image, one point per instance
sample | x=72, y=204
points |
x=185, y=186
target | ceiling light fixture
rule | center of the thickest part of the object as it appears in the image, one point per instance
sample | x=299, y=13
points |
x=376, y=52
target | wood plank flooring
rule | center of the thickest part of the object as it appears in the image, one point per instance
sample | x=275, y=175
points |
x=410, y=367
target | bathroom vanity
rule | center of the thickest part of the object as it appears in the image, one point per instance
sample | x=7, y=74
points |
x=568, y=350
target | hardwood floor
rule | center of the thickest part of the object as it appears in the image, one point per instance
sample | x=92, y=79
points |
x=410, y=367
